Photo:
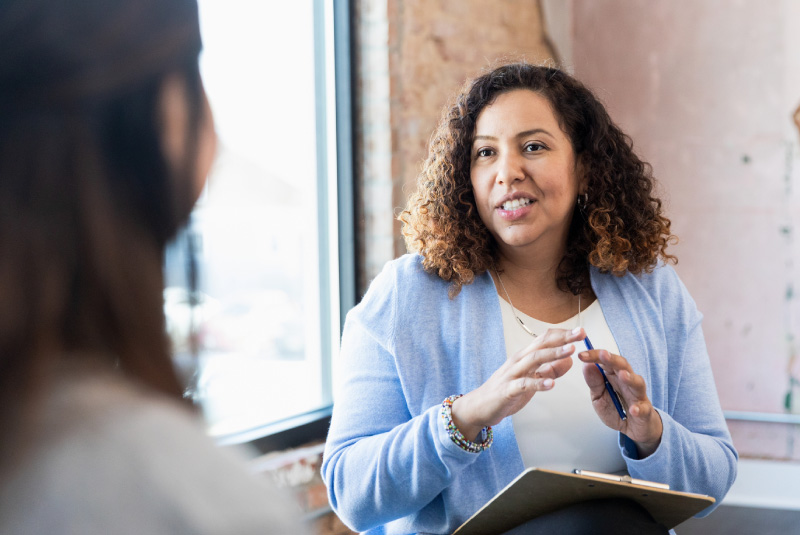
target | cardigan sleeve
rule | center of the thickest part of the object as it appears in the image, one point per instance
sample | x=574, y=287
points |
x=696, y=453
x=382, y=463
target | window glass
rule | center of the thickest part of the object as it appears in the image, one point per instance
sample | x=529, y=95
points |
x=255, y=229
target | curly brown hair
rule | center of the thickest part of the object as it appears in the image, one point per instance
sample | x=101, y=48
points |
x=621, y=229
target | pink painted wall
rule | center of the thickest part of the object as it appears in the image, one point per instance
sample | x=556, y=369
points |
x=707, y=88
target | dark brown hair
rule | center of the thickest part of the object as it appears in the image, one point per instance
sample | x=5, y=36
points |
x=87, y=198
x=620, y=230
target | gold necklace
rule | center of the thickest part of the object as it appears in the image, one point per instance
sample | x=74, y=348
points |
x=514, y=310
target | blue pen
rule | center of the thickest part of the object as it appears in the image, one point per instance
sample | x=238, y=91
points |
x=611, y=392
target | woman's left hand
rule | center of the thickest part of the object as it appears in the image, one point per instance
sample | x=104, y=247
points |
x=643, y=424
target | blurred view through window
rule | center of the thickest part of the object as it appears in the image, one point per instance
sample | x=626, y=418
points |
x=255, y=228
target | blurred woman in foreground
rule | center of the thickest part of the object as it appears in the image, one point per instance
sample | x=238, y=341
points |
x=106, y=138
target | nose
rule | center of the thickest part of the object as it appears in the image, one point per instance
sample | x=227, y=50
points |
x=509, y=169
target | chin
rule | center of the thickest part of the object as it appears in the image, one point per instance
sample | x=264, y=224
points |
x=517, y=241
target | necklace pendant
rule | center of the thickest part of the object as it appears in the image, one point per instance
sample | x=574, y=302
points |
x=525, y=327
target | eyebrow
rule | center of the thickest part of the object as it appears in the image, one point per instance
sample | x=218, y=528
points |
x=521, y=134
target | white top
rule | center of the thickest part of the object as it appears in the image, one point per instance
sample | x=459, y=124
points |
x=559, y=429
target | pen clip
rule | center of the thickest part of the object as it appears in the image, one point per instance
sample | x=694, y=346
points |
x=621, y=479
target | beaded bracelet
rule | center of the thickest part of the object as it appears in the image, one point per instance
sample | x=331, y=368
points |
x=456, y=436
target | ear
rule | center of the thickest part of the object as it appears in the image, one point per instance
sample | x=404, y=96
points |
x=178, y=136
x=174, y=117
x=797, y=118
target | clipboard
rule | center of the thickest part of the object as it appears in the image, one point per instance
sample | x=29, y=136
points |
x=537, y=491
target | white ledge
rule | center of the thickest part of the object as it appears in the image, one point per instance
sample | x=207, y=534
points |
x=767, y=484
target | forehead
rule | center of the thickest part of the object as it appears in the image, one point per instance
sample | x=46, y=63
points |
x=517, y=111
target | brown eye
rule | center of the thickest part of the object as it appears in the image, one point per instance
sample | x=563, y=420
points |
x=534, y=147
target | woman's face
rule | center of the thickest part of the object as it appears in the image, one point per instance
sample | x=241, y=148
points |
x=523, y=173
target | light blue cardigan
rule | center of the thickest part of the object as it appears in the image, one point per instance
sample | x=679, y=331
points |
x=390, y=467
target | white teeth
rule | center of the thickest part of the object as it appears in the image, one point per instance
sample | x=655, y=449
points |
x=516, y=203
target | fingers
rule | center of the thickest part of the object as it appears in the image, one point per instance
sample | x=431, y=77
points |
x=641, y=409
x=553, y=345
x=560, y=337
x=511, y=387
x=550, y=362
x=631, y=386
x=594, y=380
x=530, y=385
x=554, y=370
x=643, y=424
x=611, y=364
x=550, y=339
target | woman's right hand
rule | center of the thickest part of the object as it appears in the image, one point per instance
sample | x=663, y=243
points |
x=512, y=386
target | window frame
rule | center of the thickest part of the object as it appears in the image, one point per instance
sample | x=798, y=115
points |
x=336, y=222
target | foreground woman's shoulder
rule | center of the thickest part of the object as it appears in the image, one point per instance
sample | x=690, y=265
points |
x=115, y=458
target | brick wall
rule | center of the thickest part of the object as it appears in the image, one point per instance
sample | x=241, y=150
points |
x=373, y=140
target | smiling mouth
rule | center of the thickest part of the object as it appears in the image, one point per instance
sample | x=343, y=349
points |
x=515, y=204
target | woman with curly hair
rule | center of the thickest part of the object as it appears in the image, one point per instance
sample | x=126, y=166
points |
x=534, y=225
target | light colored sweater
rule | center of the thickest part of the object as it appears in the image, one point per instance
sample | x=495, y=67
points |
x=110, y=458
x=389, y=464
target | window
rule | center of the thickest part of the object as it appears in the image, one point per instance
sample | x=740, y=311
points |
x=265, y=233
